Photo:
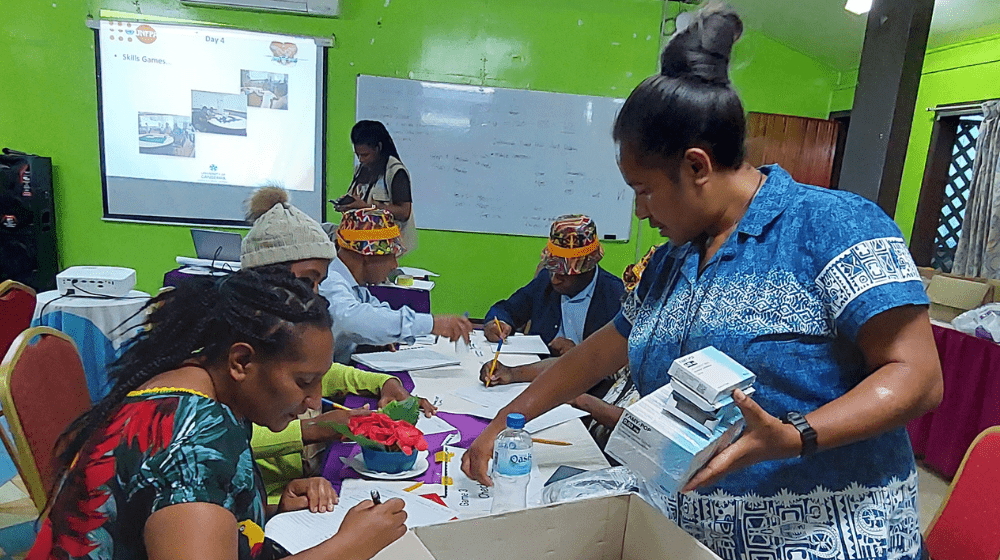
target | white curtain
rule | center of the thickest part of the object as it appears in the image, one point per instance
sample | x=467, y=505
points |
x=978, y=252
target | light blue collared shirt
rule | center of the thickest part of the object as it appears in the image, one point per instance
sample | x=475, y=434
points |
x=574, y=313
x=360, y=318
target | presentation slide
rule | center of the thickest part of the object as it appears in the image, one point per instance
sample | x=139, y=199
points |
x=196, y=117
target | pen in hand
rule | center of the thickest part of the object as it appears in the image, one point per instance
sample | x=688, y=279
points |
x=376, y=499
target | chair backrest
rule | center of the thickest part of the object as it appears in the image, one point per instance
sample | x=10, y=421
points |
x=967, y=526
x=17, y=305
x=43, y=388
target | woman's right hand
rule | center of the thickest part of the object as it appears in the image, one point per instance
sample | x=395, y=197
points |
x=368, y=528
x=493, y=334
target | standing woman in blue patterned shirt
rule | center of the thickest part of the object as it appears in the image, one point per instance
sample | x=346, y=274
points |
x=813, y=290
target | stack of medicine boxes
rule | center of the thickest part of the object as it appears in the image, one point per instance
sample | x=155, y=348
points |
x=671, y=433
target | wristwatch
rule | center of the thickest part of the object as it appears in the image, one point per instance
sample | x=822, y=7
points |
x=806, y=431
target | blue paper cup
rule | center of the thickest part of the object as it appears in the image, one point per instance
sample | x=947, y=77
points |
x=391, y=462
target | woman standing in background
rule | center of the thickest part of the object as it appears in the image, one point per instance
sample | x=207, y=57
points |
x=380, y=180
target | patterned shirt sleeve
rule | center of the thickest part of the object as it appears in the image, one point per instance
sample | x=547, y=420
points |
x=208, y=460
x=865, y=267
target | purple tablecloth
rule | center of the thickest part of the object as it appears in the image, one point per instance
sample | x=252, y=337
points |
x=174, y=276
x=971, y=368
x=470, y=427
x=417, y=300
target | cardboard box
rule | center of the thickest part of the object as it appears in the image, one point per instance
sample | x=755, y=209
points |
x=994, y=297
x=608, y=528
x=927, y=272
x=663, y=449
x=711, y=374
x=951, y=296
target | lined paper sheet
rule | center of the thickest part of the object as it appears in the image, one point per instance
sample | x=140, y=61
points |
x=301, y=530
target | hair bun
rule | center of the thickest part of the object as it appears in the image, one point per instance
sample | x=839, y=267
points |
x=264, y=199
x=701, y=51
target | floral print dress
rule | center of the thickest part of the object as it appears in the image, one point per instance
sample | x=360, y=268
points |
x=162, y=447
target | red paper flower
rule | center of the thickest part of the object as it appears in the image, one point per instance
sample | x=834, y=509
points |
x=391, y=433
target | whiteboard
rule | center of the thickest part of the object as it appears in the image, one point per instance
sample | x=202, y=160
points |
x=497, y=160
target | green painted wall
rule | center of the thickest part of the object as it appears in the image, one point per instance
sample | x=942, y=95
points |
x=590, y=47
x=956, y=73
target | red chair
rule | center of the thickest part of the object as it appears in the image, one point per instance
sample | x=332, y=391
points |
x=43, y=388
x=967, y=526
x=17, y=305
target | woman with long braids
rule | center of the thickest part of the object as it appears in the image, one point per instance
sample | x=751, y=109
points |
x=161, y=467
x=811, y=289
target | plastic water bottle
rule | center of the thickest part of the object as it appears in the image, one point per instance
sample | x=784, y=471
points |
x=511, y=466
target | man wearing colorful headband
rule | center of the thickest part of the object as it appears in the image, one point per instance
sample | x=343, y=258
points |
x=570, y=298
x=368, y=244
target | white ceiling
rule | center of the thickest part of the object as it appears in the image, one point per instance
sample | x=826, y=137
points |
x=824, y=30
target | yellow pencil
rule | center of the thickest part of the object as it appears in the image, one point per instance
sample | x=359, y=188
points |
x=497, y=355
x=550, y=441
x=414, y=487
x=340, y=406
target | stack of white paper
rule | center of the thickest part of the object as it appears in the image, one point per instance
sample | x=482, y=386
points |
x=521, y=344
x=209, y=263
x=493, y=399
x=410, y=358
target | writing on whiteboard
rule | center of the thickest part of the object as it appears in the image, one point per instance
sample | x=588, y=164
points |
x=498, y=160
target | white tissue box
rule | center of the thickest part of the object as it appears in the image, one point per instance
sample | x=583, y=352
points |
x=711, y=374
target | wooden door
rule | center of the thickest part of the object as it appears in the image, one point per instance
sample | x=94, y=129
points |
x=802, y=146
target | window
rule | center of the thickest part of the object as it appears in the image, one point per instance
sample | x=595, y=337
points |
x=956, y=192
x=944, y=193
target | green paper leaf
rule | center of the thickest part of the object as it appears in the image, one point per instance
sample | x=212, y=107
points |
x=407, y=411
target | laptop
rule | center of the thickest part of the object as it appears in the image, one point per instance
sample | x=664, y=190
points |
x=216, y=245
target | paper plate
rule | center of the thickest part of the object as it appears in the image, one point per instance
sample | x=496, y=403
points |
x=358, y=464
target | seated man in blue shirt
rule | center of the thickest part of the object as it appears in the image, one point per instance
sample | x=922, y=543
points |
x=367, y=247
x=570, y=297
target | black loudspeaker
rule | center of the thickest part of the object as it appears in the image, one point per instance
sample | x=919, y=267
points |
x=28, y=251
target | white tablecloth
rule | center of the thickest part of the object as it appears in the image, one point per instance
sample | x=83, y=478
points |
x=440, y=382
x=98, y=326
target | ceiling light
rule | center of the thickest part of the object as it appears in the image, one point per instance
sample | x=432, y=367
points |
x=858, y=6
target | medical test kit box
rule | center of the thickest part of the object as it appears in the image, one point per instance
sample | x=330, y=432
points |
x=668, y=435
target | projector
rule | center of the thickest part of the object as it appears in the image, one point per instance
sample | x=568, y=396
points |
x=95, y=281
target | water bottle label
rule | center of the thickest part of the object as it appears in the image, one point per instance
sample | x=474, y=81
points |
x=513, y=462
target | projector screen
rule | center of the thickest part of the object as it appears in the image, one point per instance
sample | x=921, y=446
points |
x=193, y=119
